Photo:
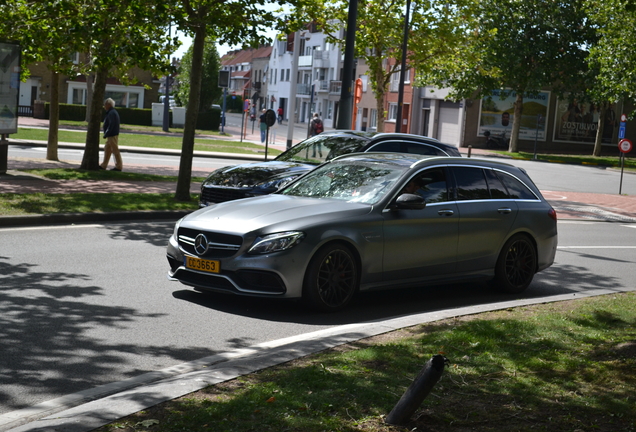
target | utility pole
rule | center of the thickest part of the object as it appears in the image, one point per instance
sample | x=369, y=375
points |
x=345, y=111
x=398, y=118
x=292, y=91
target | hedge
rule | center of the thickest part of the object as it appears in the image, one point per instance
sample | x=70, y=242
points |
x=134, y=116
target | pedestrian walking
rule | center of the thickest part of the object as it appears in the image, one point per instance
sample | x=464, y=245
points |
x=111, y=134
x=263, y=125
x=316, y=125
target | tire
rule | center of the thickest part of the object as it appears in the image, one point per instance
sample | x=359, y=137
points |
x=516, y=265
x=332, y=278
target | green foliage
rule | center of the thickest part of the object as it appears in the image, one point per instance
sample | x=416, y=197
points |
x=210, y=91
x=613, y=55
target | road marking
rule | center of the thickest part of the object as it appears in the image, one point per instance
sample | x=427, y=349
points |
x=596, y=247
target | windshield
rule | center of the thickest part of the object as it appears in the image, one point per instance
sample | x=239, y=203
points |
x=360, y=181
x=321, y=148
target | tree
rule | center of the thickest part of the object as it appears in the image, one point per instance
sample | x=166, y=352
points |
x=119, y=34
x=229, y=22
x=210, y=91
x=612, y=55
x=380, y=35
x=519, y=47
x=44, y=31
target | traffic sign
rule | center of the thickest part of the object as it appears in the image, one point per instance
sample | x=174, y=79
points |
x=625, y=145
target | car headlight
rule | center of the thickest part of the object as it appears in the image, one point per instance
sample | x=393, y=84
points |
x=276, y=242
x=277, y=183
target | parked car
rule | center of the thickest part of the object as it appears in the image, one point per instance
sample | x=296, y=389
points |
x=367, y=221
x=262, y=178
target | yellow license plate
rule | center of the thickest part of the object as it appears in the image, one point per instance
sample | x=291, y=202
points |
x=199, y=264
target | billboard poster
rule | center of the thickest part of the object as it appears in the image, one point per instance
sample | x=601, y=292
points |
x=576, y=122
x=9, y=87
x=497, y=114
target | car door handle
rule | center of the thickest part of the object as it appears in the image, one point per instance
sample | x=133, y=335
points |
x=504, y=210
x=445, y=212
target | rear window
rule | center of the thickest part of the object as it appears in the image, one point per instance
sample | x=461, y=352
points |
x=516, y=189
x=321, y=148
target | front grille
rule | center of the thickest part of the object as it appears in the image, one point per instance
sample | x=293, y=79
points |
x=220, y=245
x=249, y=282
x=261, y=281
x=219, y=194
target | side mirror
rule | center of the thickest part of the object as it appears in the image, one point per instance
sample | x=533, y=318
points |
x=409, y=201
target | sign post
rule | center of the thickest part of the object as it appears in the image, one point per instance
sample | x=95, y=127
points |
x=625, y=146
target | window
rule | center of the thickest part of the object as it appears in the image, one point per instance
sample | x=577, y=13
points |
x=287, y=76
x=430, y=185
x=282, y=75
x=471, y=184
x=497, y=189
x=516, y=189
x=79, y=96
x=392, y=112
x=373, y=118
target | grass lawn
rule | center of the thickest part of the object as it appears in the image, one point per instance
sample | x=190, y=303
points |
x=565, y=366
x=152, y=141
x=41, y=203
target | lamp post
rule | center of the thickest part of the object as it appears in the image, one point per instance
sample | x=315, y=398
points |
x=398, y=118
x=291, y=113
x=166, y=100
x=346, y=94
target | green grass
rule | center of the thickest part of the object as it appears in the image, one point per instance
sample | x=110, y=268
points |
x=152, y=141
x=41, y=203
x=609, y=161
x=567, y=366
x=80, y=174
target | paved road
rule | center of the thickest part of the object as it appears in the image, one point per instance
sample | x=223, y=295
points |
x=82, y=310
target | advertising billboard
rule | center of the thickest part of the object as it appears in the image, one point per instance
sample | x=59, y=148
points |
x=577, y=122
x=497, y=114
x=9, y=87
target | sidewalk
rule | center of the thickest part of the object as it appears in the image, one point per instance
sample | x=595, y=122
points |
x=569, y=205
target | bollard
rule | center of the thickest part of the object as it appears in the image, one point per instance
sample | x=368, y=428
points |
x=470, y=149
x=4, y=150
x=417, y=391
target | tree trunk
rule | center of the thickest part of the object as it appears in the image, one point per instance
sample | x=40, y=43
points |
x=379, y=100
x=54, y=118
x=599, y=131
x=90, y=161
x=192, y=112
x=89, y=86
x=516, y=123
x=89, y=96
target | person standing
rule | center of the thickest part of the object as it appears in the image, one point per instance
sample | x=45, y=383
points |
x=280, y=115
x=316, y=127
x=111, y=134
x=263, y=125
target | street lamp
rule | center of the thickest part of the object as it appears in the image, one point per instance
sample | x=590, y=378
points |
x=398, y=118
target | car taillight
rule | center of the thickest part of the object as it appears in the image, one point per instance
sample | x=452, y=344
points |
x=553, y=214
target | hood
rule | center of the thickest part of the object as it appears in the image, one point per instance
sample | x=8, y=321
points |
x=278, y=212
x=251, y=174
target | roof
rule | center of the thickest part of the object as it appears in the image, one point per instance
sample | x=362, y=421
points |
x=245, y=56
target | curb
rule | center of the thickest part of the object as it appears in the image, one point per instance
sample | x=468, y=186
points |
x=71, y=218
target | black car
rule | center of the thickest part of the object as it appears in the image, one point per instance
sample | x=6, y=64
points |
x=262, y=178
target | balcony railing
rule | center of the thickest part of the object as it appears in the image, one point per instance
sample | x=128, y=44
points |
x=322, y=86
x=335, y=87
x=303, y=89
x=305, y=61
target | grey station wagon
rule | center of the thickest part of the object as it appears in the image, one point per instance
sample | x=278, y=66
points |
x=370, y=221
